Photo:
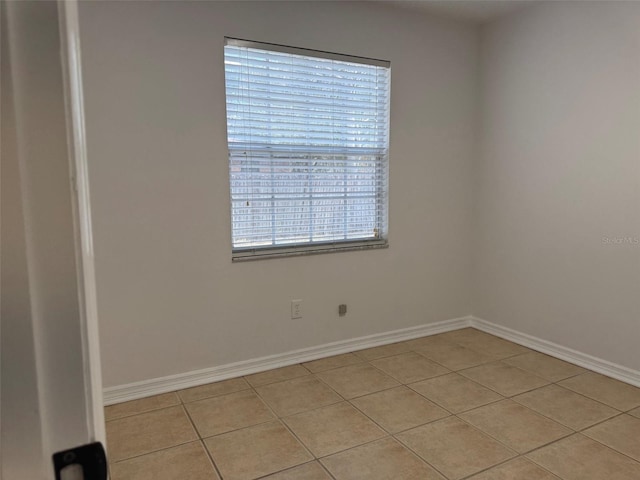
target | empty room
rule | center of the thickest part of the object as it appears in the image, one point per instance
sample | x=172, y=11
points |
x=320, y=240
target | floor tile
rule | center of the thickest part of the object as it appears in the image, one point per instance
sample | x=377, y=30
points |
x=621, y=433
x=455, y=357
x=334, y=428
x=142, y=405
x=399, y=409
x=516, y=426
x=409, y=367
x=504, y=379
x=429, y=341
x=455, y=392
x=604, y=389
x=517, y=469
x=455, y=448
x=566, y=407
x=308, y=471
x=213, y=389
x=277, y=375
x=486, y=343
x=357, y=380
x=332, y=362
x=403, y=391
x=383, y=351
x=256, y=451
x=384, y=459
x=497, y=347
x=185, y=461
x=297, y=395
x=580, y=458
x=463, y=335
x=545, y=366
x=145, y=433
x=225, y=413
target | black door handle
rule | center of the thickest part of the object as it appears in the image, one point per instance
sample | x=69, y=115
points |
x=92, y=458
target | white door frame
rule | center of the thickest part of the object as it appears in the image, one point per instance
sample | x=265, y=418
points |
x=50, y=345
x=74, y=100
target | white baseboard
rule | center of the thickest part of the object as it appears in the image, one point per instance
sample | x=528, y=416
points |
x=589, y=362
x=146, y=388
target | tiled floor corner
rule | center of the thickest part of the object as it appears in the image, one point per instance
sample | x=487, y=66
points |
x=462, y=405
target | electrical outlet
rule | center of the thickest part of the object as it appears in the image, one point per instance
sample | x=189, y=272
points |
x=296, y=309
x=342, y=309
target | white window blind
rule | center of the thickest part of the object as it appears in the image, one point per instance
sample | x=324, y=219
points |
x=308, y=149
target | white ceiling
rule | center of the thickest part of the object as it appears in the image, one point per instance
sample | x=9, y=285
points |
x=478, y=11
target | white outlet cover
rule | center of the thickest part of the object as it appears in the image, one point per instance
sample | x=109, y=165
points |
x=296, y=309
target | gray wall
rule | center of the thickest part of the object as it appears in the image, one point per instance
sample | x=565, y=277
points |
x=557, y=242
x=169, y=298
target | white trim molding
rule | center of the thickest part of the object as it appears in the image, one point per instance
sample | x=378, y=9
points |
x=195, y=378
x=589, y=362
x=79, y=167
x=146, y=388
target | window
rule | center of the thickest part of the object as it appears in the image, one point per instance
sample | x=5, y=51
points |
x=308, y=136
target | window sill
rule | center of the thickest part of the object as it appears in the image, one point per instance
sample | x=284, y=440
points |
x=264, y=254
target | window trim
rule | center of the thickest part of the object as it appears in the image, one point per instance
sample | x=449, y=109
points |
x=315, y=248
x=243, y=254
x=275, y=47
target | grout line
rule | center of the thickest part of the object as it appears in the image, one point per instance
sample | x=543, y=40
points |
x=402, y=382
x=360, y=360
x=246, y=377
x=582, y=430
x=193, y=440
x=411, y=452
x=518, y=454
x=304, y=445
x=586, y=396
x=559, y=384
x=571, y=430
x=384, y=437
x=373, y=393
x=502, y=443
x=364, y=394
x=492, y=466
x=387, y=434
x=342, y=399
x=142, y=412
x=288, y=469
x=210, y=457
x=500, y=393
x=588, y=438
x=280, y=420
x=406, y=429
x=215, y=395
x=507, y=461
x=326, y=470
x=480, y=406
x=401, y=342
x=193, y=424
x=570, y=376
x=348, y=402
x=419, y=456
x=515, y=399
x=610, y=447
x=321, y=380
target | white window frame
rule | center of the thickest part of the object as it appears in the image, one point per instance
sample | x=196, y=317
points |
x=315, y=247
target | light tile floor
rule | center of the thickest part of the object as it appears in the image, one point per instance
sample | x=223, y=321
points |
x=459, y=405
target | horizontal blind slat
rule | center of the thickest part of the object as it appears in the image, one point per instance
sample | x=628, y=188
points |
x=308, y=143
